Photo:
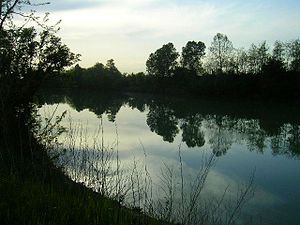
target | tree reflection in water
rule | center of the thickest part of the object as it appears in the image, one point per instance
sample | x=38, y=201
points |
x=201, y=122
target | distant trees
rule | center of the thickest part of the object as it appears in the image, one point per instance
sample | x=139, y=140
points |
x=279, y=51
x=220, y=51
x=162, y=62
x=240, y=58
x=111, y=67
x=98, y=76
x=192, y=54
x=259, y=70
x=99, y=70
x=258, y=57
x=294, y=53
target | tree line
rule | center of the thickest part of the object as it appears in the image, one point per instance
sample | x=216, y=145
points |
x=219, y=70
x=223, y=58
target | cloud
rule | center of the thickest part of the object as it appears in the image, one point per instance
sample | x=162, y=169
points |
x=129, y=30
x=67, y=5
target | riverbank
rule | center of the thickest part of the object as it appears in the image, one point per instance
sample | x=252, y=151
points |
x=34, y=191
x=267, y=87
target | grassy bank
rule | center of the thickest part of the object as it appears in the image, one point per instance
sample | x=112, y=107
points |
x=34, y=191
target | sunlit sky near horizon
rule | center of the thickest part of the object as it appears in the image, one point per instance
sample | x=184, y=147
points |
x=129, y=30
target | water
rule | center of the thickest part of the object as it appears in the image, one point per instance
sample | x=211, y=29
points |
x=245, y=139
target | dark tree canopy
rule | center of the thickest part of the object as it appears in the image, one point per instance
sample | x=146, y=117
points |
x=26, y=52
x=192, y=54
x=162, y=61
x=111, y=67
x=295, y=55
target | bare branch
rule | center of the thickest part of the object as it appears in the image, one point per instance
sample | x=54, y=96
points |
x=9, y=11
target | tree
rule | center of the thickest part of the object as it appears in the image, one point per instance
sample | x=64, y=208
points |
x=27, y=56
x=241, y=61
x=221, y=49
x=111, y=67
x=6, y=10
x=26, y=53
x=294, y=52
x=278, y=51
x=9, y=8
x=192, y=54
x=258, y=57
x=162, y=61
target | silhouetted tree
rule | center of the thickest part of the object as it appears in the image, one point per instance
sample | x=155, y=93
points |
x=6, y=10
x=221, y=49
x=294, y=50
x=163, y=61
x=258, y=57
x=273, y=67
x=27, y=56
x=10, y=8
x=240, y=61
x=279, y=51
x=111, y=67
x=192, y=54
x=25, y=52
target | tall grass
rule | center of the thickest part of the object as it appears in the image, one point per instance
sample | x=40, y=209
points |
x=174, y=199
x=34, y=191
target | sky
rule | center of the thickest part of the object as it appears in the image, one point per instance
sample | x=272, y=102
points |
x=129, y=30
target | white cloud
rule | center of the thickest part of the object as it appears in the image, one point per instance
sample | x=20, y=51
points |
x=129, y=30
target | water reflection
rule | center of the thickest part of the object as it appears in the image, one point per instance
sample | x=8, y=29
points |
x=192, y=133
x=217, y=123
x=147, y=131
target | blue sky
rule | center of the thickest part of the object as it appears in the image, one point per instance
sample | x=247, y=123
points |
x=129, y=30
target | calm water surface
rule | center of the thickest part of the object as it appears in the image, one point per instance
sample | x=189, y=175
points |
x=244, y=138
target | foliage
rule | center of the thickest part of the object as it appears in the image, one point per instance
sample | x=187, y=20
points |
x=294, y=52
x=258, y=57
x=12, y=8
x=26, y=53
x=220, y=50
x=192, y=54
x=162, y=62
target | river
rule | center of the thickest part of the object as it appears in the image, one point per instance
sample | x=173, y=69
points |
x=156, y=153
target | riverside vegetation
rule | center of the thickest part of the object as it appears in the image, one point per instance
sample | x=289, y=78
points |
x=222, y=71
x=34, y=190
